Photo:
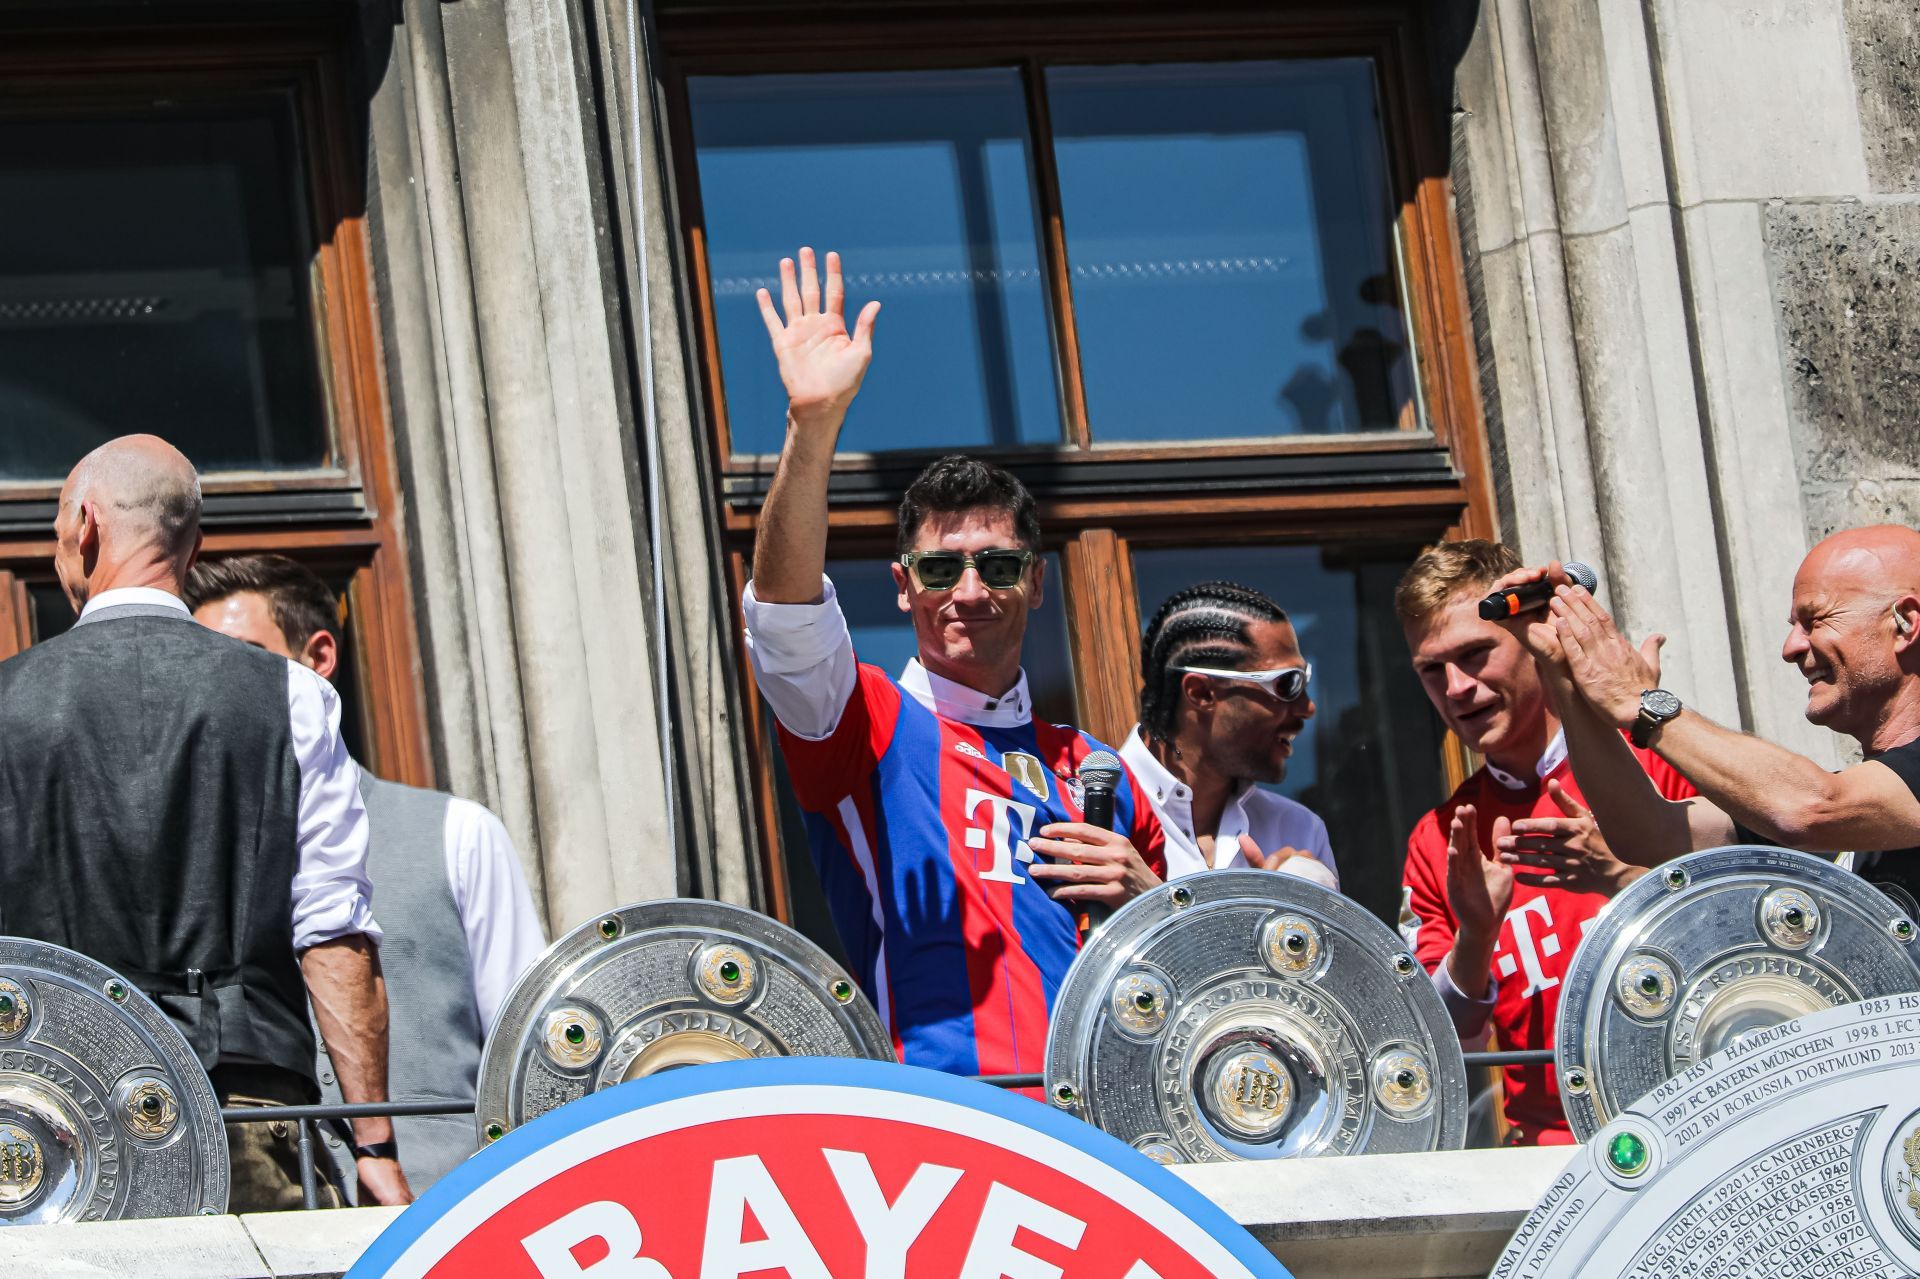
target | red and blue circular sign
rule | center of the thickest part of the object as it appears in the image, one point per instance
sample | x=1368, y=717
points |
x=813, y=1169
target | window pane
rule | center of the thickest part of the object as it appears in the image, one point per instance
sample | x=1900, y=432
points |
x=883, y=637
x=153, y=277
x=1368, y=762
x=1229, y=228
x=922, y=182
x=49, y=614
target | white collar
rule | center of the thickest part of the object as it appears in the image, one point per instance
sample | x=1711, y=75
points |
x=145, y=595
x=1166, y=788
x=968, y=705
x=1159, y=780
x=1550, y=759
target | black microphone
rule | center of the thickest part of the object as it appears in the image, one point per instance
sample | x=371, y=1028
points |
x=1099, y=778
x=1501, y=605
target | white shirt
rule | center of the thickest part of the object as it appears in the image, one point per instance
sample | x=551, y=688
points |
x=804, y=666
x=331, y=895
x=1274, y=822
x=504, y=936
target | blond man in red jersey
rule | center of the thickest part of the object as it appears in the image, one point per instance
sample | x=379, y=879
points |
x=1502, y=880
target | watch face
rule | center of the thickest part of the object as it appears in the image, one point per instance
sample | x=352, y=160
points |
x=1658, y=701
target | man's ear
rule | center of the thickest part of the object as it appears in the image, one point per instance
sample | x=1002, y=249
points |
x=87, y=536
x=1037, y=593
x=321, y=652
x=1198, y=690
x=900, y=587
x=1906, y=624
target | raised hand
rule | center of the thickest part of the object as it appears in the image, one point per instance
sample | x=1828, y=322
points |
x=1565, y=852
x=1609, y=671
x=821, y=364
x=1479, y=888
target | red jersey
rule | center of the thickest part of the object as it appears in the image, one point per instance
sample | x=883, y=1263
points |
x=1542, y=929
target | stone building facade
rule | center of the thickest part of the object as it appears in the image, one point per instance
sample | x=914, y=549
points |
x=1682, y=237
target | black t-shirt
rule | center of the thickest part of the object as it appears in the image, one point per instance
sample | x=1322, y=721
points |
x=1897, y=873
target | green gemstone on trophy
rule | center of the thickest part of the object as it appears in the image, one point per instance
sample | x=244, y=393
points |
x=1144, y=1001
x=1650, y=984
x=495, y=1131
x=7, y=1005
x=610, y=928
x=576, y=1033
x=843, y=991
x=729, y=971
x=1296, y=943
x=1627, y=1152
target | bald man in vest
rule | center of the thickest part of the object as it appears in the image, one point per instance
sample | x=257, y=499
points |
x=179, y=806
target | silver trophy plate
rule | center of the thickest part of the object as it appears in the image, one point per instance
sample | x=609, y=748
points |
x=659, y=985
x=1708, y=949
x=1794, y=1152
x=1245, y=1014
x=105, y=1112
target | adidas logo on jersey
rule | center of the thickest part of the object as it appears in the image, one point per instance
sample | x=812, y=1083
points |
x=968, y=748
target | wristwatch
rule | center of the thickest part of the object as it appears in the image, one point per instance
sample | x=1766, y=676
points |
x=378, y=1150
x=1657, y=706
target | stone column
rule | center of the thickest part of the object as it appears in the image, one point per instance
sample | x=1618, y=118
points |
x=1599, y=254
x=519, y=444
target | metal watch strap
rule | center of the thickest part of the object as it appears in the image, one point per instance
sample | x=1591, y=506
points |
x=378, y=1150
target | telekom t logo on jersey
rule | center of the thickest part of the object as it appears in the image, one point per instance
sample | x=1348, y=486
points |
x=1532, y=945
x=998, y=836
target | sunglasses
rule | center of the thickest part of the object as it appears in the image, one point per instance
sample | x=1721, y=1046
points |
x=1289, y=683
x=942, y=570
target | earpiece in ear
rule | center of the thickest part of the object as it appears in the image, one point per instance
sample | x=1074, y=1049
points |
x=1901, y=622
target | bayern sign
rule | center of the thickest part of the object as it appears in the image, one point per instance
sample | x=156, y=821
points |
x=815, y=1169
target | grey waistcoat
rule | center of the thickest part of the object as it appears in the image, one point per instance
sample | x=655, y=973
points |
x=434, y=1035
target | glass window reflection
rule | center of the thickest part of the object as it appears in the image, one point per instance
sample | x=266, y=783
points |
x=1369, y=761
x=154, y=277
x=923, y=182
x=1229, y=228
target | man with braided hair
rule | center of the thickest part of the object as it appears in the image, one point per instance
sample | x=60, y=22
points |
x=1224, y=694
x=944, y=821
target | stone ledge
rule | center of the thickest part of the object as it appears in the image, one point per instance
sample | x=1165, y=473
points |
x=1441, y=1216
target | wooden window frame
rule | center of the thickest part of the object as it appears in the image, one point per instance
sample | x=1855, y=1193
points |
x=345, y=514
x=1097, y=502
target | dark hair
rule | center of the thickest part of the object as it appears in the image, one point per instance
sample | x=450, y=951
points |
x=960, y=483
x=301, y=603
x=1444, y=570
x=1204, y=625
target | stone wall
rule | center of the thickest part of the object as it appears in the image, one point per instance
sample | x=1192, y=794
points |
x=1692, y=245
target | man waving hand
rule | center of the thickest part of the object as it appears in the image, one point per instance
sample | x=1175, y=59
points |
x=944, y=822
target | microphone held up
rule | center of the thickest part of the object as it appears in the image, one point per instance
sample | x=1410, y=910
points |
x=1515, y=600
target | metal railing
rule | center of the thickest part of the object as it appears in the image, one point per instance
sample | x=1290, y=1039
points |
x=306, y=1116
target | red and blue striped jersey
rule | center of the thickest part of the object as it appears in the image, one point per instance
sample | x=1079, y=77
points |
x=918, y=826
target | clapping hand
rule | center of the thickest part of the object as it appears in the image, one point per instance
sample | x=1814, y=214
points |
x=1564, y=852
x=1479, y=888
x=821, y=364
